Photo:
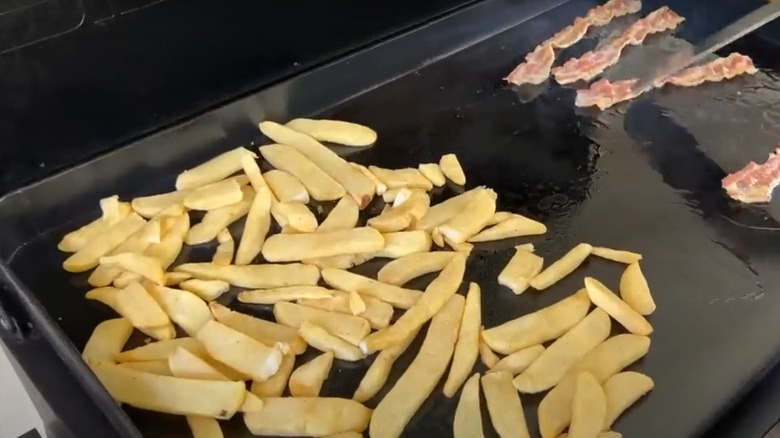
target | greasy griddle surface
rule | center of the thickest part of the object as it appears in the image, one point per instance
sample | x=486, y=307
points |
x=643, y=177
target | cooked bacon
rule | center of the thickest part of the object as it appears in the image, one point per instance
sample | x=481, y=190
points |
x=593, y=63
x=755, y=182
x=536, y=67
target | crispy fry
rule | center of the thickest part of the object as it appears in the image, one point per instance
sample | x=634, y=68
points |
x=176, y=278
x=562, y=267
x=216, y=220
x=292, y=247
x=320, y=339
x=504, y=405
x=207, y=290
x=400, y=271
x=274, y=386
x=522, y=267
x=138, y=306
x=216, y=195
x=170, y=246
x=150, y=206
x=433, y=172
x=468, y=419
x=89, y=255
x=213, y=170
x=76, y=240
x=335, y=131
x=402, y=216
x=623, y=390
x=307, y=380
x=347, y=327
x=159, y=367
x=344, y=216
x=473, y=218
x=307, y=416
x=377, y=312
x=255, y=276
x=444, y=211
x=589, y=407
x=409, y=178
x=267, y=332
x=240, y=351
x=103, y=275
x=615, y=255
x=343, y=261
x=161, y=350
x=518, y=361
x=145, y=266
x=467, y=347
x=286, y=187
x=356, y=304
x=513, y=226
x=290, y=293
x=204, y=427
x=420, y=378
x=486, y=355
x=435, y=296
x=379, y=186
x=635, y=291
x=450, y=166
x=377, y=374
x=318, y=184
x=349, y=282
x=606, y=300
x=403, y=243
x=184, y=308
x=107, y=341
x=540, y=326
x=183, y=363
x=552, y=365
x=224, y=252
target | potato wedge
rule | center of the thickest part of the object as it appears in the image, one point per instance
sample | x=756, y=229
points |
x=215, y=195
x=213, y=170
x=347, y=327
x=207, y=290
x=291, y=293
x=467, y=347
x=171, y=395
x=518, y=361
x=468, y=419
x=522, y=267
x=446, y=210
x=404, y=215
x=146, y=266
x=393, y=413
x=349, y=282
x=623, y=390
x=286, y=187
x=538, y=327
x=616, y=255
x=486, y=355
x=107, y=340
x=293, y=247
x=377, y=374
x=267, y=332
x=307, y=380
x=606, y=300
x=158, y=351
x=473, y=218
x=159, y=367
x=433, y=172
x=504, y=405
x=344, y=261
x=403, y=243
x=239, y=351
x=408, y=178
x=553, y=364
x=88, y=256
x=561, y=267
x=589, y=407
x=217, y=220
x=183, y=363
x=400, y=271
x=176, y=278
x=137, y=305
x=635, y=291
x=379, y=187
x=335, y=131
x=513, y=226
x=451, y=168
x=435, y=296
x=274, y=386
x=255, y=276
x=307, y=416
x=344, y=216
x=318, y=184
x=378, y=313
x=171, y=244
x=184, y=308
x=320, y=339
x=204, y=427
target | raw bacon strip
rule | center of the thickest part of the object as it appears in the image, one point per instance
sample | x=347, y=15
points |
x=755, y=182
x=537, y=65
x=596, y=61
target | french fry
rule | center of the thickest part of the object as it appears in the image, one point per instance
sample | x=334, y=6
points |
x=88, y=256
x=403, y=243
x=320, y=339
x=224, y=253
x=589, y=407
x=444, y=211
x=538, y=327
x=176, y=278
x=252, y=402
x=379, y=186
x=486, y=355
x=291, y=293
x=433, y=172
x=157, y=351
x=400, y=271
x=137, y=305
x=215, y=195
x=377, y=374
x=347, y=327
x=216, y=220
x=606, y=300
x=518, y=361
x=145, y=266
x=307, y=416
x=204, y=427
x=255, y=276
x=562, y=267
x=307, y=380
x=616, y=255
x=377, y=312
x=318, y=184
x=467, y=347
x=184, y=308
x=623, y=390
x=504, y=405
x=356, y=304
x=552, y=365
x=344, y=216
x=435, y=296
x=183, y=363
x=267, y=332
x=420, y=378
x=409, y=178
x=343, y=261
x=522, y=267
x=171, y=395
x=451, y=168
x=159, y=367
x=274, y=386
x=335, y=131
x=170, y=246
x=359, y=186
x=514, y=226
x=103, y=275
x=635, y=291
x=207, y=290
x=239, y=351
x=285, y=187
x=107, y=340
x=292, y=247
x=76, y=240
x=473, y=218
x=402, y=216
x=498, y=217
x=213, y=170
x=468, y=419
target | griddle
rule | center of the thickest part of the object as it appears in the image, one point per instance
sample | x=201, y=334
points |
x=642, y=176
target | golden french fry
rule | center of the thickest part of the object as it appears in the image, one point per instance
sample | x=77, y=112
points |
x=356, y=304
x=444, y=211
x=183, y=363
x=291, y=293
x=143, y=265
x=467, y=347
x=343, y=261
x=213, y=170
x=562, y=267
x=320, y=339
x=433, y=172
x=635, y=291
x=522, y=267
x=89, y=255
x=518, y=361
x=292, y=247
x=335, y=131
x=286, y=187
x=255, y=276
x=552, y=365
x=137, y=305
x=404, y=215
x=307, y=380
x=107, y=340
x=347, y=327
x=239, y=351
x=184, y=308
x=616, y=255
x=216, y=220
x=252, y=402
x=224, y=253
x=359, y=186
x=486, y=355
x=400, y=271
x=468, y=419
x=207, y=290
x=150, y=206
x=76, y=240
x=473, y=218
x=170, y=246
x=215, y=195
x=514, y=226
x=540, y=326
x=318, y=184
x=435, y=296
x=377, y=312
x=176, y=278
x=451, y=168
x=307, y=416
x=403, y=243
x=159, y=367
x=158, y=351
x=377, y=374
x=204, y=427
x=274, y=386
x=504, y=405
x=623, y=390
x=171, y=395
x=344, y=216
x=103, y=275
x=606, y=300
x=498, y=217
x=379, y=186
x=588, y=409
x=267, y=332
x=420, y=378
x=409, y=178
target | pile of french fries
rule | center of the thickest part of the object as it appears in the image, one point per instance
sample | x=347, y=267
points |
x=208, y=362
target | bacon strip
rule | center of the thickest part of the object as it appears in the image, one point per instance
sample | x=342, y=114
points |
x=755, y=182
x=604, y=94
x=596, y=61
x=537, y=65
